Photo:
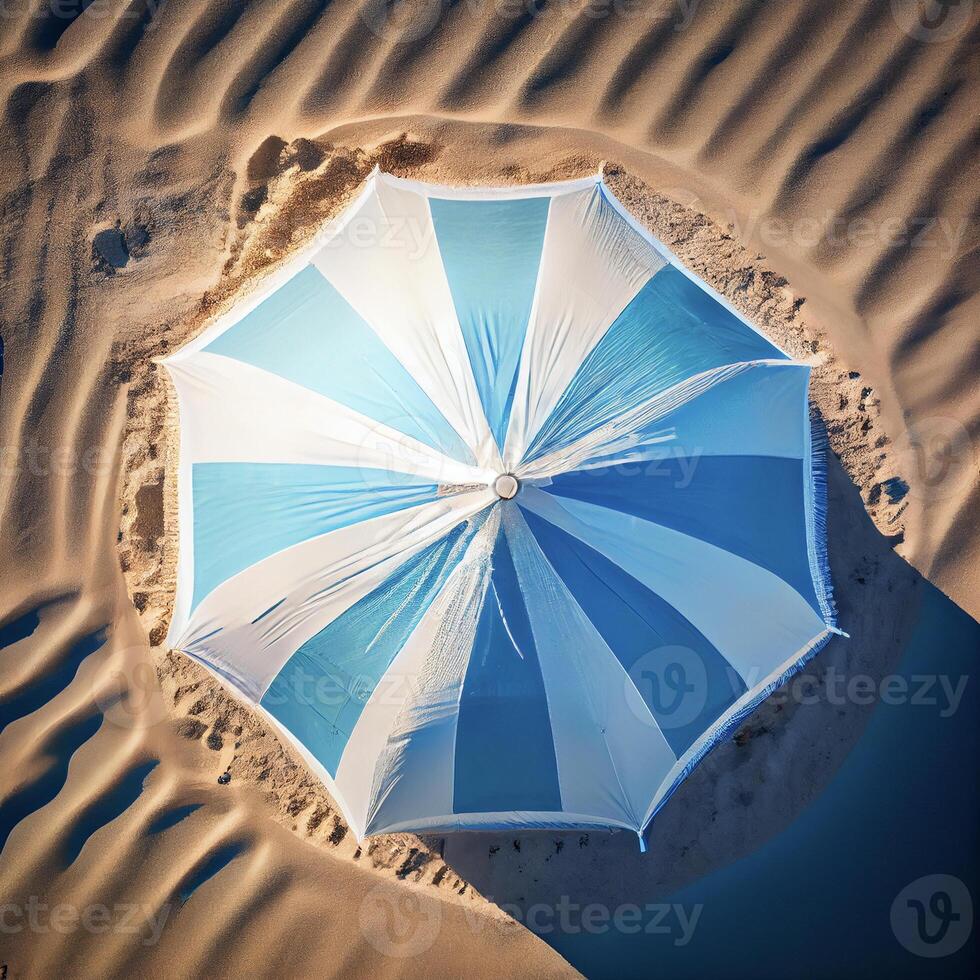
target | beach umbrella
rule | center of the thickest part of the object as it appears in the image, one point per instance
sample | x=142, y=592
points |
x=496, y=513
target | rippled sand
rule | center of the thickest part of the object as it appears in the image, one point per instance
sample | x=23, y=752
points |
x=815, y=162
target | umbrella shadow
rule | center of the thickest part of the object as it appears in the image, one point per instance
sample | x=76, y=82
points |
x=749, y=789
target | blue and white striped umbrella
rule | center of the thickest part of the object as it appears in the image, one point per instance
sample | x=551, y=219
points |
x=501, y=516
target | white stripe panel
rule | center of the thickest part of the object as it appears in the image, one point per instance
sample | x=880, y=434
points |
x=234, y=412
x=316, y=581
x=592, y=264
x=611, y=754
x=398, y=763
x=673, y=260
x=718, y=592
x=387, y=265
x=252, y=298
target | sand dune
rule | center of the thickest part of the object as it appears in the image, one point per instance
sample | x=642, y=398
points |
x=816, y=162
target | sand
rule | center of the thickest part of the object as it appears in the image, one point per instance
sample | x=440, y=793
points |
x=814, y=162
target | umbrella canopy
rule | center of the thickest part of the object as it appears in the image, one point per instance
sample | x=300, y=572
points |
x=501, y=516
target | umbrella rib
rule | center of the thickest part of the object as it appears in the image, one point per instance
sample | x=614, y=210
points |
x=503, y=619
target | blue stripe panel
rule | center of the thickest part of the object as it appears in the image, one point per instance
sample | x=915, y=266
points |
x=671, y=330
x=491, y=251
x=683, y=679
x=244, y=512
x=751, y=506
x=505, y=754
x=308, y=333
x=320, y=692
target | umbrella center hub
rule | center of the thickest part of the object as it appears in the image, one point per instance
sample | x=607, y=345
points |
x=506, y=486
